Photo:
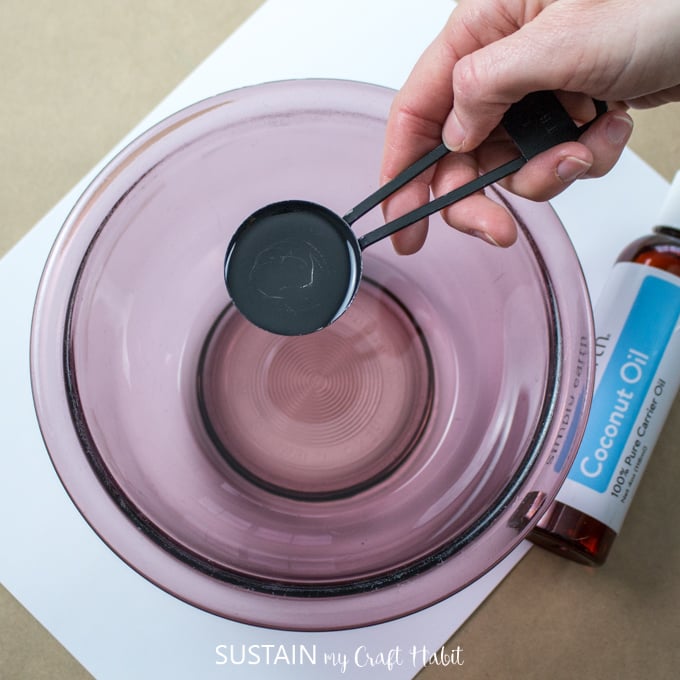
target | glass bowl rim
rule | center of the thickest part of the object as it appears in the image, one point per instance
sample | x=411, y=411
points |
x=367, y=587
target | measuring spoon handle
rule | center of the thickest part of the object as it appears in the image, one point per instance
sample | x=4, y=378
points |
x=404, y=177
x=535, y=123
x=444, y=201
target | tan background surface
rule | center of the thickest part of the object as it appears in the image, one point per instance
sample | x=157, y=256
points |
x=79, y=74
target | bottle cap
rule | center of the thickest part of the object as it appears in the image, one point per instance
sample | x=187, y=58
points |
x=670, y=211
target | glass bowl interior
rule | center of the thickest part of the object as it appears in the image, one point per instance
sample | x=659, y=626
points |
x=408, y=444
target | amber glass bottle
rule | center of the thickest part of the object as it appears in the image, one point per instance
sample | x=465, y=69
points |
x=638, y=373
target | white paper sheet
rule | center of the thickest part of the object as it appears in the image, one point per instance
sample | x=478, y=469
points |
x=112, y=620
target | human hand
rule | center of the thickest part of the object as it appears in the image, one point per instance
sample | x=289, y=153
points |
x=493, y=52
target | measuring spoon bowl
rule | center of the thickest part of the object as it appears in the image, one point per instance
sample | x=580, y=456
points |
x=293, y=267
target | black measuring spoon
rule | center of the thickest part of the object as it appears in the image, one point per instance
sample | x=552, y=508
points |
x=294, y=267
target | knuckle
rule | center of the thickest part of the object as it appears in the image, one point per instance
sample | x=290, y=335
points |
x=466, y=83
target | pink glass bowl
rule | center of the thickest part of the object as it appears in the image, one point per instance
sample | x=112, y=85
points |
x=321, y=482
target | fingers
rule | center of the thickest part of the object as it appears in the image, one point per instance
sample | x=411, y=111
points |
x=419, y=108
x=665, y=96
x=425, y=100
x=409, y=240
x=595, y=154
x=414, y=126
x=413, y=129
x=482, y=63
x=545, y=53
x=476, y=215
x=541, y=179
x=488, y=81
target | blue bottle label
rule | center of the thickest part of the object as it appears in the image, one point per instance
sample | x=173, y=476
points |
x=637, y=321
x=626, y=381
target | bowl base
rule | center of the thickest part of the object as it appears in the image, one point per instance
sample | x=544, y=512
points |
x=320, y=416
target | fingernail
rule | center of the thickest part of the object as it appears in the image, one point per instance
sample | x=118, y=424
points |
x=485, y=237
x=571, y=168
x=453, y=134
x=619, y=129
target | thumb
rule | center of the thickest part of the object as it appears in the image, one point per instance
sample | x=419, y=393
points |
x=487, y=81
